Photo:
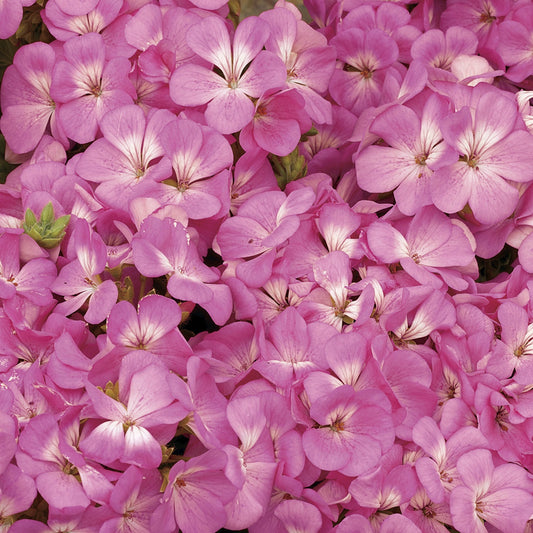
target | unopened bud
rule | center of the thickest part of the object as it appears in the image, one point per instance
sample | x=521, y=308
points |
x=47, y=231
x=288, y=168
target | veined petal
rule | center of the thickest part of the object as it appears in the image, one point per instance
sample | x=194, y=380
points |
x=386, y=242
x=141, y=449
x=210, y=40
x=105, y=443
x=193, y=85
x=250, y=36
x=266, y=71
x=230, y=110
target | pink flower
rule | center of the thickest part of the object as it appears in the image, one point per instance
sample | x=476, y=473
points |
x=153, y=328
x=64, y=24
x=11, y=16
x=195, y=495
x=479, y=16
x=80, y=279
x=129, y=153
x=27, y=106
x=278, y=123
x=134, y=499
x=89, y=85
x=498, y=495
x=491, y=151
x=351, y=433
x=263, y=223
x=229, y=106
x=308, y=60
x=365, y=58
x=201, y=158
x=251, y=466
x=433, y=243
x=139, y=420
x=415, y=150
x=17, y=492
x=292, y=349
x=438, y=470
x=160, y=34
x=165, y=247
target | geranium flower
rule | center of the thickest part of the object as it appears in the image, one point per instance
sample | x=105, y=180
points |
x=229, y=106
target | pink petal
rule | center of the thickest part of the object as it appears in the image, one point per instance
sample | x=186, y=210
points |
x=386, y=242
x=230, y=110
x=297, y=515
x=105, y=443
x=141, y=449
x=62, y=491
x=193, y=85
x=210, y=40
x=101, y=302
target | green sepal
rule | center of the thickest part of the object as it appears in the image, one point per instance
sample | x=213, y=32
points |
x=48, y=231
x=288, y=168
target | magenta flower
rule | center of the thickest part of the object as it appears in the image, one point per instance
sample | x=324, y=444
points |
x=164, y=247
x=433, y=244
x=415, y=150
x=27, y=107
x=201, y=158
x=195, y=496
x=491, y=152
x=80, y=279
x=498, y=495
x=88, y=85
x=228, y=96
x=129, y=153
x=351, y=432
x=143, y=417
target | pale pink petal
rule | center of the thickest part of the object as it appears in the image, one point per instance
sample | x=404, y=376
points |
x=63, y=492
x=101, y=302
x=193, y=85
x=105, y=443
x=297, y=515
x=266, y=71
x=210, y=40
x=386, y=242
x=250, y=36
x=230, y=110
x=141, y=449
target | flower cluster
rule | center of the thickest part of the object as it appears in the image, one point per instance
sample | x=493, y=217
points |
x=267, y=275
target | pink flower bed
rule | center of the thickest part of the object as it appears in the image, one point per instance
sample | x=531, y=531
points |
x=271, y=276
